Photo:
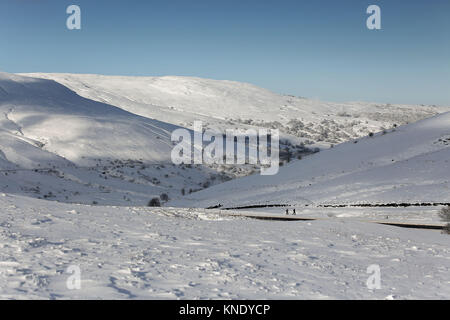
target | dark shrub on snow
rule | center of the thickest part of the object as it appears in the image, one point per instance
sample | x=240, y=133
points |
x=154, y=203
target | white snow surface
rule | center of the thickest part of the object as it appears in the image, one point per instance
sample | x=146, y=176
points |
x=173, y=253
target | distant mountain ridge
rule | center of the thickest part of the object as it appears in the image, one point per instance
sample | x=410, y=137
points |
x=225, y=104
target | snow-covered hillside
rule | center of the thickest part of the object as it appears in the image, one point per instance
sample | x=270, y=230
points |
x=408, y=164
x=59, y=121
x=57, y=145
x=229, y=104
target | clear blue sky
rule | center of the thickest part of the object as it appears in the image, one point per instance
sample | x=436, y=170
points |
x=318, y=49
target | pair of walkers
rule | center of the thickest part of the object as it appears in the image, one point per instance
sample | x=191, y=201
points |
x=293, y=212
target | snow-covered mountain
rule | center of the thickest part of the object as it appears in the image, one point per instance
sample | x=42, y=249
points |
x=229, y=104
x=408, y=164
x=106, y=140
x=57, y=145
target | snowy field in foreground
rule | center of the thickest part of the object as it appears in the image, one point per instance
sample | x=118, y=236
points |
x=190, y=253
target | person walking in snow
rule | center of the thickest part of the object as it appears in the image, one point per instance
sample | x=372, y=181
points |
x=287, y=212
x=294, y=213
